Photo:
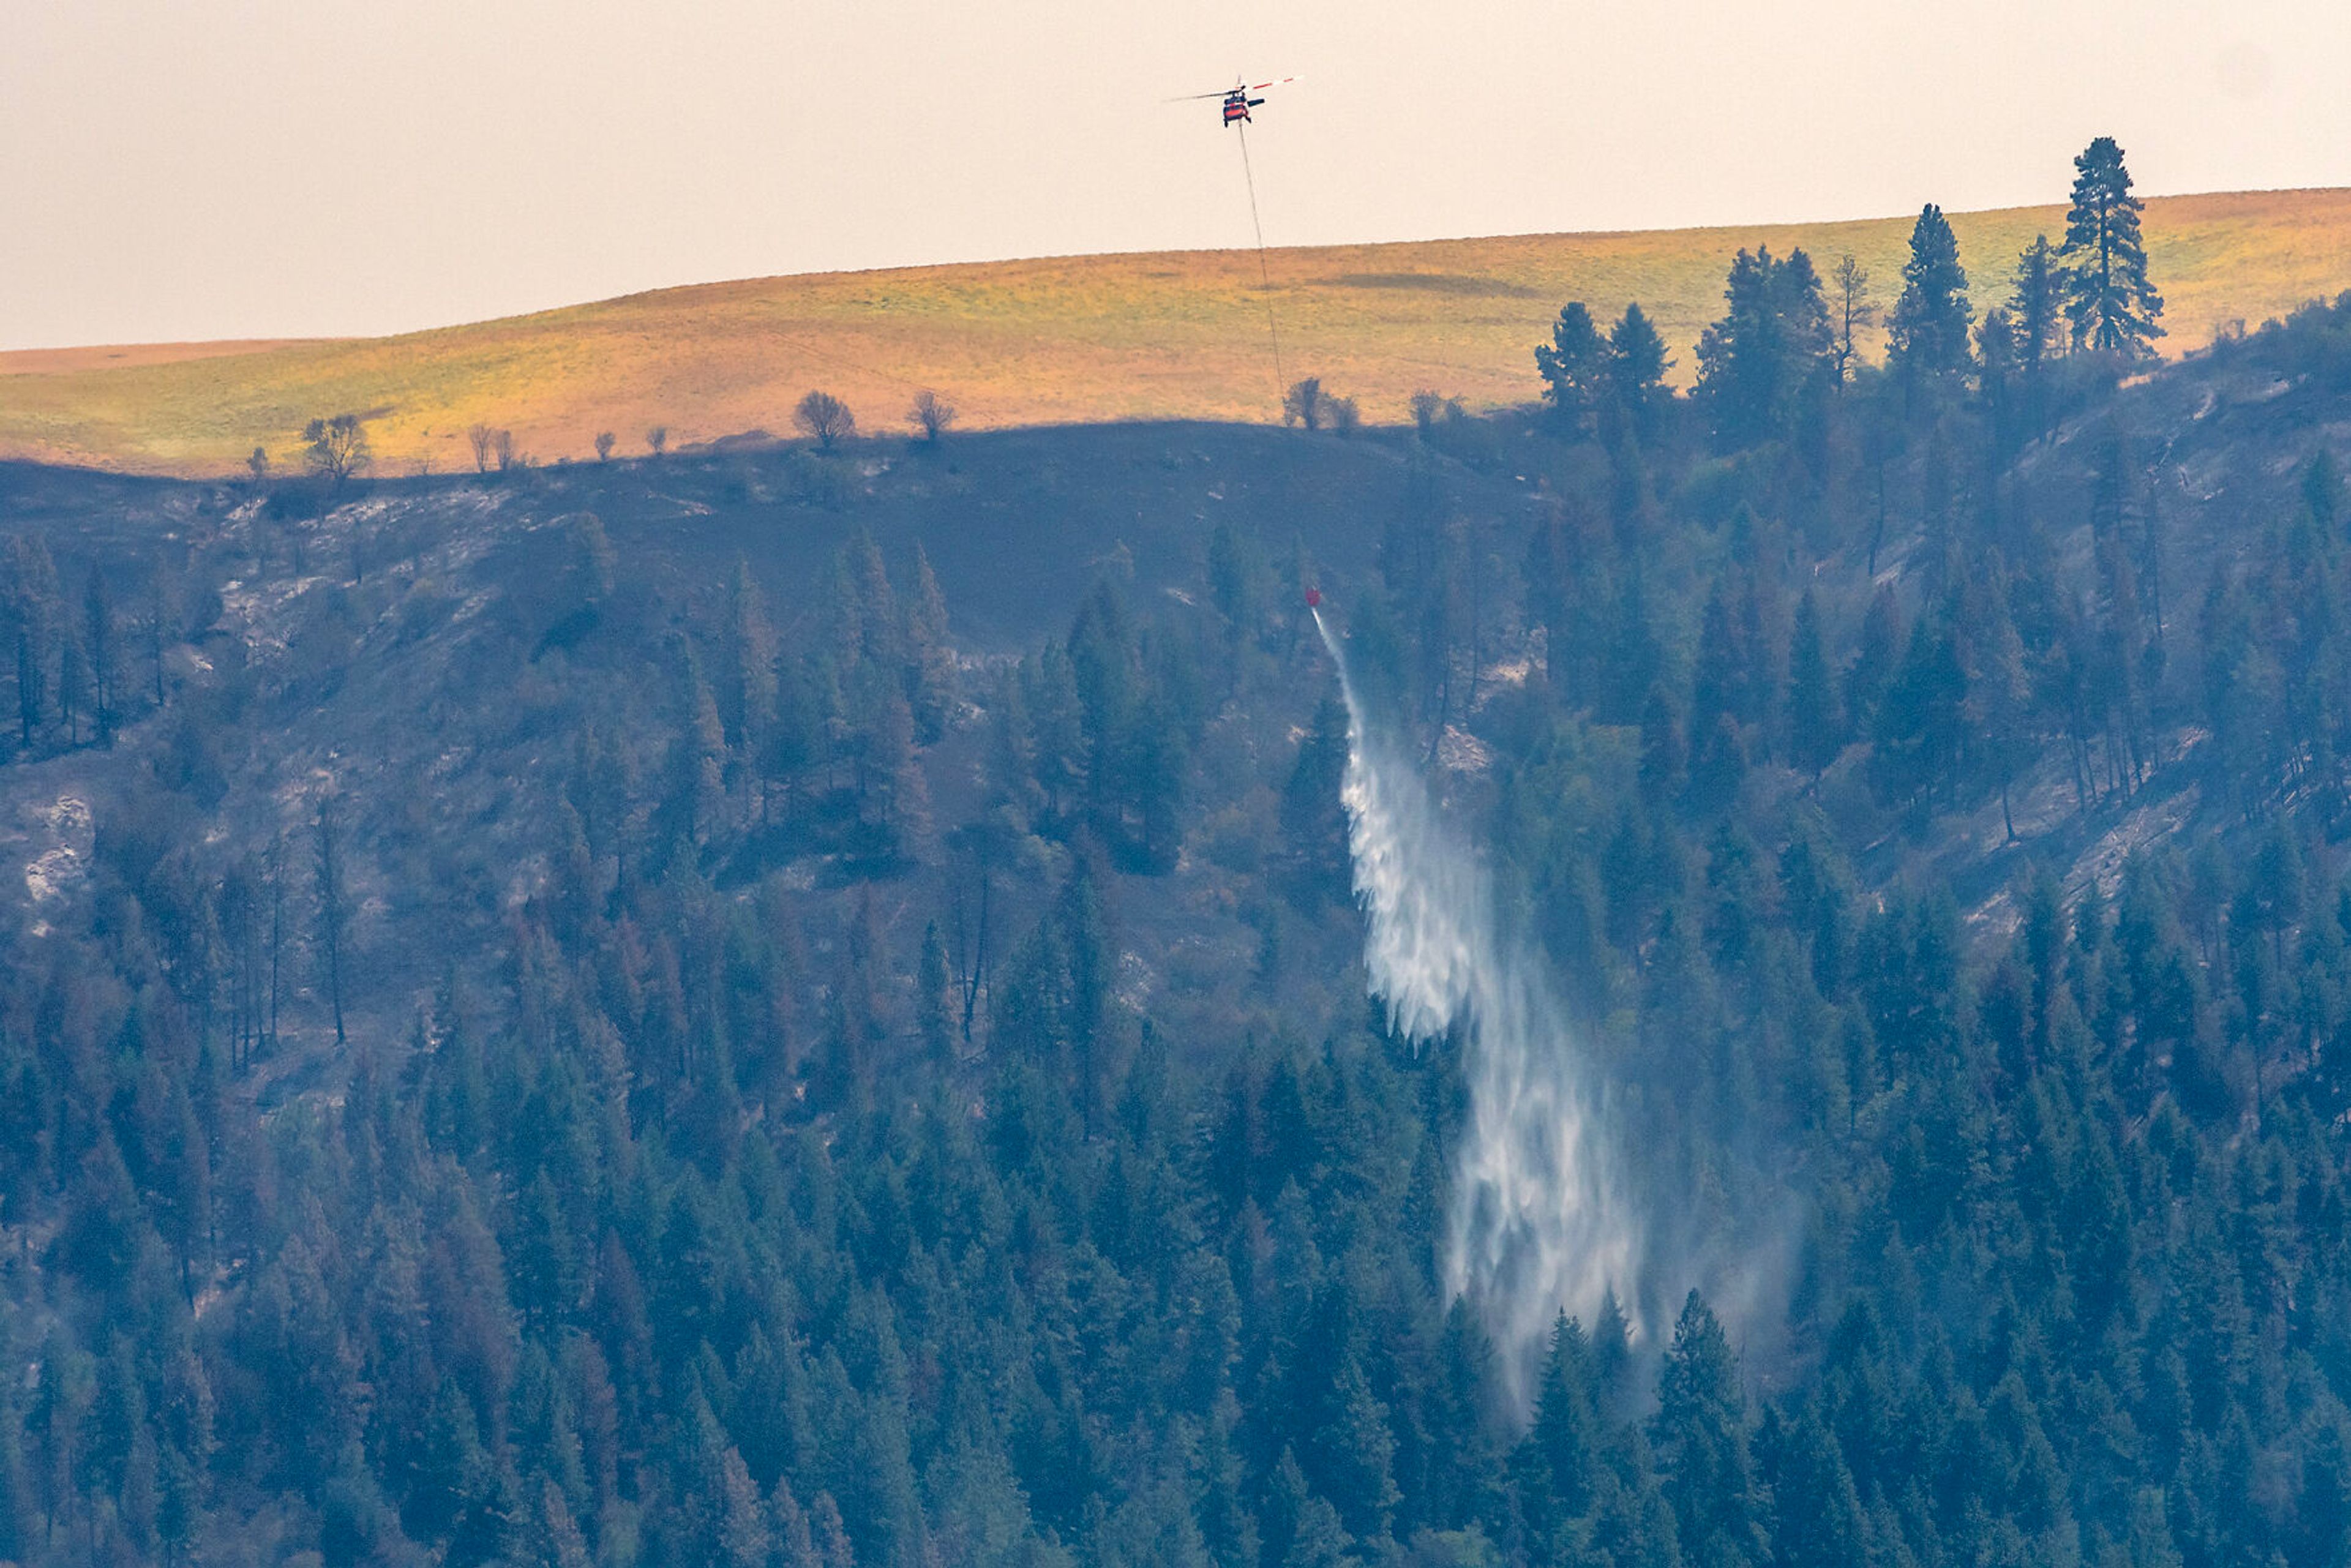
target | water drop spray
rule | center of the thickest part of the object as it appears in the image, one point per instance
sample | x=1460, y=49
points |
x=1538, y=1221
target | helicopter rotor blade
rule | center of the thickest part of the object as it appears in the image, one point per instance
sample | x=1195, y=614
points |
x=1241, y=84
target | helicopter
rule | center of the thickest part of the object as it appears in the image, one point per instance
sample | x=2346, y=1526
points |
x=1237, y=98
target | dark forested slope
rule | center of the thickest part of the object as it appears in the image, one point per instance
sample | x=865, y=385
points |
x=779, y=1007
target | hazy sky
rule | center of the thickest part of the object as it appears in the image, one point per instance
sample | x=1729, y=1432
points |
x=176, y=169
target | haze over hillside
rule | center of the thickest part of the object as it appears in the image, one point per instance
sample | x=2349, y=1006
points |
x=1179, y=335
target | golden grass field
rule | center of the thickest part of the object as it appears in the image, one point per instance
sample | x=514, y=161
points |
x=1179, y=335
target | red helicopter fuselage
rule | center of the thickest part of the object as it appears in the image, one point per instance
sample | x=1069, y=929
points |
x=1238, y=106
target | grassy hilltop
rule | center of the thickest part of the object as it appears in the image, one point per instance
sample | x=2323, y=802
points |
x=1071, y=339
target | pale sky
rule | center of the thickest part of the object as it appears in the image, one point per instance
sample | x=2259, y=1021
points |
x=189, y=168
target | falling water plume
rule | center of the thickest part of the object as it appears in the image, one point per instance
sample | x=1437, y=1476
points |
x=1537, y=1224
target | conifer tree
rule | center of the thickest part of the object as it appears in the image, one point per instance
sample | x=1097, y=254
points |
x=1466, y=1479
x=1057, y=737
x=930, y=662
x=1928, y=333
x=873, y=605
x=898, y=769
x=1233, y=573
x=1699, y=1433
x=1356, y=1454
x=1573, y=365
x=1756, y=364
x=97, y=631
x=1306, y=1526
x=2000, y=693
x=1819, y=1520
x=2110, y=306
x=1873, y=662
x=1612, y=1355
x=1638, y=363
x=2035, y=303
x=934, y=1004
x=1557, y=1463
x=1312, y=816
x=32, y=603
x=750, y=666
x=73, y=686
x=1665, y=745
x=1997, y=373
x=1813, y=734
x=2322, y=491
x=334, y=905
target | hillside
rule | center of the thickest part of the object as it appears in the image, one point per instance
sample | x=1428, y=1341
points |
x=1063, y=340
x=800, y=1009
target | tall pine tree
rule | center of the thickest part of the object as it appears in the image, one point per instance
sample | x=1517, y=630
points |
x=1929, y=331
x=2109, y=303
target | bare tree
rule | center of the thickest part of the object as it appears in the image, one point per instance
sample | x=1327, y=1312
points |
x=258, y=467
x=481, y=437
x=931, y=415
x=336, y=447
x=1344, y=416
x=604, y=442
x=1854, y=308
x=824, y=417
x=657, y=440
x=508, y=458
x=1425, y=406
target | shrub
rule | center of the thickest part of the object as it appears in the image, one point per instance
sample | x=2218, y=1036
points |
x=1303, y=405
x=819, y=480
